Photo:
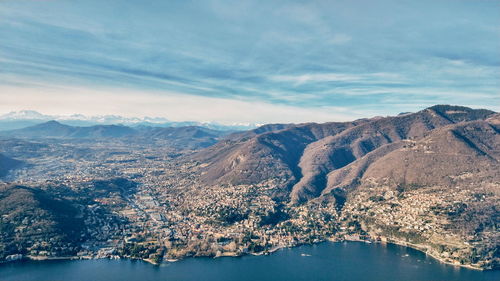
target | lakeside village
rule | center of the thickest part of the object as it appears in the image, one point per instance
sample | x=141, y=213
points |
x=156, y=212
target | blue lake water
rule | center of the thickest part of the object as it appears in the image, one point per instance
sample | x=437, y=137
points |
x=324, y=261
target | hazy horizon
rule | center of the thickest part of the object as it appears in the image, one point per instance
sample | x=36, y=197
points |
x=159, y=119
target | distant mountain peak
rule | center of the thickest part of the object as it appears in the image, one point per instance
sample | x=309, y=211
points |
x=24, y=118
x=51, y=123
x=24, y=114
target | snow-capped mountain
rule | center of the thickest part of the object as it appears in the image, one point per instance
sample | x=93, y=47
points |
x=24, y=115
x=24, y=118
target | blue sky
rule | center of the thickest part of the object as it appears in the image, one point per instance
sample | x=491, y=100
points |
x=248, y=61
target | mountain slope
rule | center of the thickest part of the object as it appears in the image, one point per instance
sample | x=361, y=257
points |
x=439, y=194
x=189, y=137
x=271, y=155
x=473, y=148
x=429, y=179
x=32, y=218
x=334, y=152
x=7, y=164
x=298, y=158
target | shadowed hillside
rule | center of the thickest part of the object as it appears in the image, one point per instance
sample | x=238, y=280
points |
x=29, y=216
x=7, y=164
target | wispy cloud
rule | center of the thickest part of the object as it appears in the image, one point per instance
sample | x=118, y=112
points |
x=339, y=38
x=170, y=105
x=339, y=77
x=283, y=54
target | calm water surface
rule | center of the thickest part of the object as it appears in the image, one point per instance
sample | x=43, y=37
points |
x=325, y=261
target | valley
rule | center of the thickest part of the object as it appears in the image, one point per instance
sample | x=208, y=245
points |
x=429, y=180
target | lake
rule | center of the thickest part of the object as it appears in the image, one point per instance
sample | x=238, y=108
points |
x=324, y=261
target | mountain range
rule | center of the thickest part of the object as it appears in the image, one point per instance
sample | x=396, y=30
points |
x=24, y=118
x=187, y=137
x=306, y=158
x=429, y=180
x=442, y=163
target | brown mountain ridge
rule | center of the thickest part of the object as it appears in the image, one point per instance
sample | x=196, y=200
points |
x=305, y=158
x=429, y=180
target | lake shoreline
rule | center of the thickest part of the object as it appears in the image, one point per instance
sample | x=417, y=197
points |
x=265, y=252
x=441, y=260
x=319, y=261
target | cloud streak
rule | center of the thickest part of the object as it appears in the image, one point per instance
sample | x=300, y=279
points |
x=171, y=105
x=285, y=54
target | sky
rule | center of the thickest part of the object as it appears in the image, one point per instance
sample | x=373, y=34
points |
x=248, y=61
